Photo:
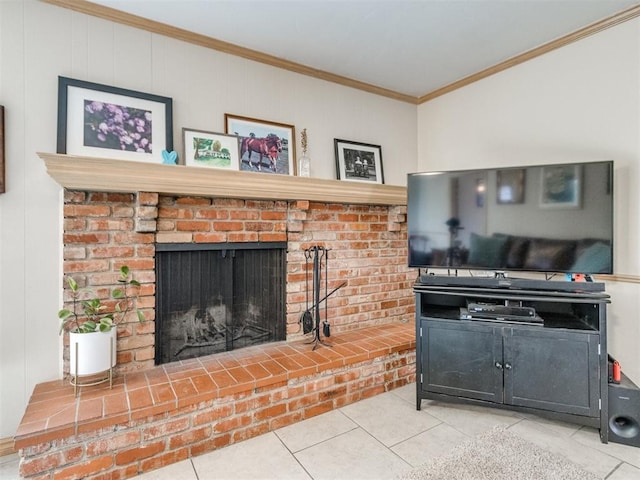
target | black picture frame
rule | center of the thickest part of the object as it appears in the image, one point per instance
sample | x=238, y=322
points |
x=97, y=120
x=2, y=166
x=358, y=162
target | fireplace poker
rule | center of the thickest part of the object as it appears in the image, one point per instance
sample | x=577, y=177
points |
x=307, y=315
x=310, y=318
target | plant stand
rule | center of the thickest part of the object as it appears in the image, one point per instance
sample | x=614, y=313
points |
x=92, y=354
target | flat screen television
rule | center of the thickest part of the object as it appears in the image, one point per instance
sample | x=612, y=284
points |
x=544, y=218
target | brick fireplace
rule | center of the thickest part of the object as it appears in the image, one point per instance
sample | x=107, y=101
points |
x=367, y=246
x=156, y=415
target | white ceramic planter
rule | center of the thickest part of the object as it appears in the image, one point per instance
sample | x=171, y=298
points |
x=96, y=352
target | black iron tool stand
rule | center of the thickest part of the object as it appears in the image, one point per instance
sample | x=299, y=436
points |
x=319, y=255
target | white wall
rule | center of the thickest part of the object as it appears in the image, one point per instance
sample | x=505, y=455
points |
x=38, y=42
x=575, y=104
x=578, y=103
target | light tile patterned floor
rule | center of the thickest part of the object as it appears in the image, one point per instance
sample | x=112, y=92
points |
x=384, y=436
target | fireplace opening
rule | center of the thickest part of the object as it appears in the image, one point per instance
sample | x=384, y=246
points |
x=213, y=298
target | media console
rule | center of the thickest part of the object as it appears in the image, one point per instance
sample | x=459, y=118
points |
x=547, y=355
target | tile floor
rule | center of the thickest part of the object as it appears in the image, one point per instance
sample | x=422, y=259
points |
x=381, y=437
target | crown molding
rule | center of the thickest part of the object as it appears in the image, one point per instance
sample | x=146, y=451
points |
x=589, y=30
x=117, y=16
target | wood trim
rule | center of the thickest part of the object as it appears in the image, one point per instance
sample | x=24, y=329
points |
x=135, y=21
x=7, y=447
x=596, y=27
x=108, y=175
x=621, y=278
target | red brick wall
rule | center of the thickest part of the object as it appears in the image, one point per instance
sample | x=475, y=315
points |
x=367, y=249
x=137, y=446
x=100, y=235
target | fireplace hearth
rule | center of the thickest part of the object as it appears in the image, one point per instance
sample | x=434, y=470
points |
x=213, y=298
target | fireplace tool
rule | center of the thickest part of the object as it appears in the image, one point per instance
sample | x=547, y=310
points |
x=311, y=321
x=307, y=316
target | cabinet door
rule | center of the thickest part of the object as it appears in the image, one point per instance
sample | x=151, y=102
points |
x=459, y=358
x=552, y=370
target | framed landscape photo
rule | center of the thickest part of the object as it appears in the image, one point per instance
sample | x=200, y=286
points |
x=358, y=162
x=510, y=186
x=268, y=147
x=560, y=186
x=210, y=149
x=97, y=120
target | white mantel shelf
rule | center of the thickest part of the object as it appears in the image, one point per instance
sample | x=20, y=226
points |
x=108, y=175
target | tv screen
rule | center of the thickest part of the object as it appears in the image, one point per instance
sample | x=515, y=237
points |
x=543, y=218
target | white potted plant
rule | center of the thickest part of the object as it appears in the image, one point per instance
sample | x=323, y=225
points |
x=92, y=328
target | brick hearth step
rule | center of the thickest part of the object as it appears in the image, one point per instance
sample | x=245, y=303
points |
x=170, y=412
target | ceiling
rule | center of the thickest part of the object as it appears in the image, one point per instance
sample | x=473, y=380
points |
x=413, y=48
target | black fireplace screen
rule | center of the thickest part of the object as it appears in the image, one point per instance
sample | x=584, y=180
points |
x=213, y=298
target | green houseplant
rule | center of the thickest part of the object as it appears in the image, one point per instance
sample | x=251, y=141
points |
x=94, y=311
x=91, y=325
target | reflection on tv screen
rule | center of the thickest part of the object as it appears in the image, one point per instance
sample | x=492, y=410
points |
x=543, y=218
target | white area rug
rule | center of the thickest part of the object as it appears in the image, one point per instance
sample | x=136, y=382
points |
x=499, y=455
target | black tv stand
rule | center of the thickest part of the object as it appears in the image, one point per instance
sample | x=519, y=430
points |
x=510, y=283
x=555, y=366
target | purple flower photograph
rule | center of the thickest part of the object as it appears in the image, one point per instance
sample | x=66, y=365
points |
x=103, y=121
x=117, y=127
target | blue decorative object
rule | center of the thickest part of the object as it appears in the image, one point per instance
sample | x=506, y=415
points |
x=169, y=158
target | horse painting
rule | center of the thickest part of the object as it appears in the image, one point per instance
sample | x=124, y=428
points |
x=268, y=147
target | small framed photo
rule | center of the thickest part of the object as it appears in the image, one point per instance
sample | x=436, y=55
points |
x=210, y=149
x=510, y=186
x=265, y=146
x=359, y=162
x=97, y=120
x=560, y=186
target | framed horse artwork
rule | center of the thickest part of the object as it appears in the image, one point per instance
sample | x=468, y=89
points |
x=267, y=147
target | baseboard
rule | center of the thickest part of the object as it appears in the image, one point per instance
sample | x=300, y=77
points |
x=6, y=446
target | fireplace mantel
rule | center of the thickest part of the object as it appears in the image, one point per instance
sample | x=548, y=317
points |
x=100, y=174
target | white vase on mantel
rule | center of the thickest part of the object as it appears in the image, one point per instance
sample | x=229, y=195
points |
x=304, y=166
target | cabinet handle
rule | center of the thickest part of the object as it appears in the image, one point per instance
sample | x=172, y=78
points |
x=499, y=365
x=507, y=366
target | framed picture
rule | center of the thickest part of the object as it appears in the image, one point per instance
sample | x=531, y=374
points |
x=560, y=186
x=510, y=186
x=101, y=121
x=265, y=146
x=359, y=162
x=210, y=149
x=2, y=186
